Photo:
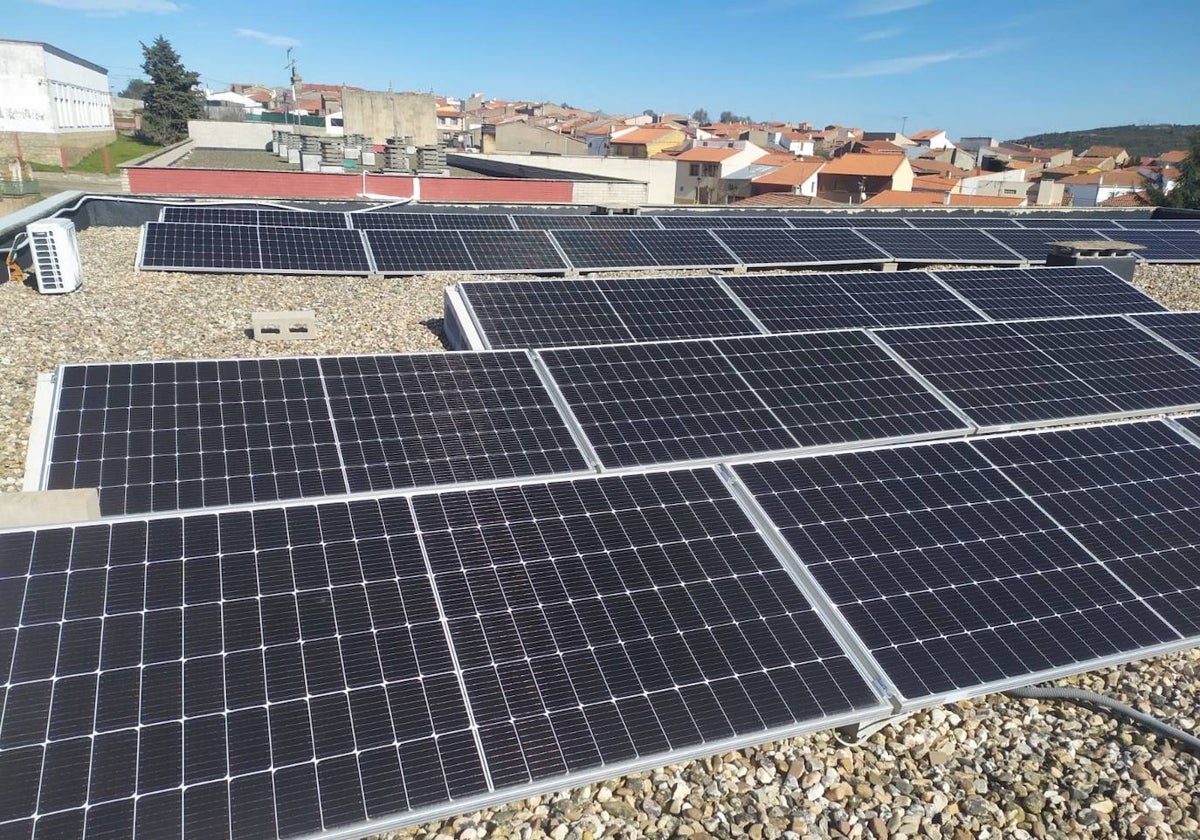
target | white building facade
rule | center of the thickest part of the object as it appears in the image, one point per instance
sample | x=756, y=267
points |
x=53, y=105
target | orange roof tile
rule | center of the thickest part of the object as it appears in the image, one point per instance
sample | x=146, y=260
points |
x=792, y=175
x=1129, y=199
x=1113, y=178
x=645, y=136
x=705, y=154
x=928, y=134
x=1173, y=156
x=776, y=159
x=935, y=183
x=866, y=165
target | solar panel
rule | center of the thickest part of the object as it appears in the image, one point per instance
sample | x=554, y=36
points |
x=1034, y=245
x=901, y=298
x=283, y=672
x=301, y=218
x=472, y=221
x=657, y=403
x=837, y=388
x=1159, y=224
x=273, y=673
x=684, y=248
x=526, y=250
x=160, y=436
x=1095, y=224
x=1130, y=494
x=1167, y=246
x=789, y=302
x=1039, y=371
x=622, y=221
x=1180, y=328
x=156, y=436
x=765, y=247
x=418, y=251
x=948, y=245
x=543, y=313
x=313, y=250
x=855, y=221
x=722, y=220
x=201, y=214
x=425, y=419
x=563, y=221
x=621, y=619
x=950, y=576
x=837, y=246
x=968, y=222
x=674, y=307
x=392, y=221
x=593, y=249
x=171, y=246
x=1049, y=292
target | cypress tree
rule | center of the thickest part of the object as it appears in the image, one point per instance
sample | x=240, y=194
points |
x=171, y=99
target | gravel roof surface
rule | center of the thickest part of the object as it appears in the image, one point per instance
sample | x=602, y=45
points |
x=992, y=767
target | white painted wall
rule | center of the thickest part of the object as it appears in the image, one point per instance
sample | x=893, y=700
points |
x=24, y=101
x=214, y=134
x=44, y=92
x=658, y=175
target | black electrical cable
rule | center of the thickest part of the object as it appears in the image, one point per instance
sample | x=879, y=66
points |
x=1091, y=698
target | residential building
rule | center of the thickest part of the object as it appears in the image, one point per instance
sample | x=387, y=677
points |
x=525, y=138
x=645, y=142
x=451, y=122
x=226, y=104
x=933, y=138
x=1119, y=155
x=798, y=178
x=703, y=171
x=1092, y=189
x=854, y=178
x=975, y=144
x=55, y=107
x=893, y=137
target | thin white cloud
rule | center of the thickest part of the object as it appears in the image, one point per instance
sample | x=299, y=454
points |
x=880, y=34
x=907, y=64
x=874, y=8
x=114, y=8
x=268, y=38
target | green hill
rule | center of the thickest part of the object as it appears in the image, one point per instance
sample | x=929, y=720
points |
x=1138, y=140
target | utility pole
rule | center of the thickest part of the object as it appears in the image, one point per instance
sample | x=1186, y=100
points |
x=903, y=123
x=291, y=65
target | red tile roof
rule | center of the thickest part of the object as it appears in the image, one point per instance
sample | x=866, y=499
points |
x=645, y=136
x=785, y=199
x=866, y=165
x=792, y=175
x=928, y=134
x=1129, y=199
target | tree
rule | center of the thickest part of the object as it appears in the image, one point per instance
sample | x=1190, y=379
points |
x=1186, y=192
x=136, y=89
x=700, y=116
x=171, y=99
x=730, y=117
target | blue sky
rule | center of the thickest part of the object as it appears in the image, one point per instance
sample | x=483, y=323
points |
x=1005, y=69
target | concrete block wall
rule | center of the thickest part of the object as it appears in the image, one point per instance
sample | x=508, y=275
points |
x=609, y=192
x=212, y=134
x=44, y=147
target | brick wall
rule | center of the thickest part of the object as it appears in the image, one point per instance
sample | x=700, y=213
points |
x=43, y=147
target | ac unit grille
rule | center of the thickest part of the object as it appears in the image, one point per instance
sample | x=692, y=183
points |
x=49, y=271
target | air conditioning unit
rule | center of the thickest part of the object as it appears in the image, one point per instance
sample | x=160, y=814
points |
x=55, y=250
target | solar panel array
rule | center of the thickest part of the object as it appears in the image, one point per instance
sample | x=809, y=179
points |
x=190, y=239
x=280, y=671
x=554, y=313
x=277, y=669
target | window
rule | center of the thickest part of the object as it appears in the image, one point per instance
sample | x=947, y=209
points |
x=710, y=170
x=694, y=170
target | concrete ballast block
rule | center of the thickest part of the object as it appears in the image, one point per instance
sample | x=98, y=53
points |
x=288, y=325
x=49, y=507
